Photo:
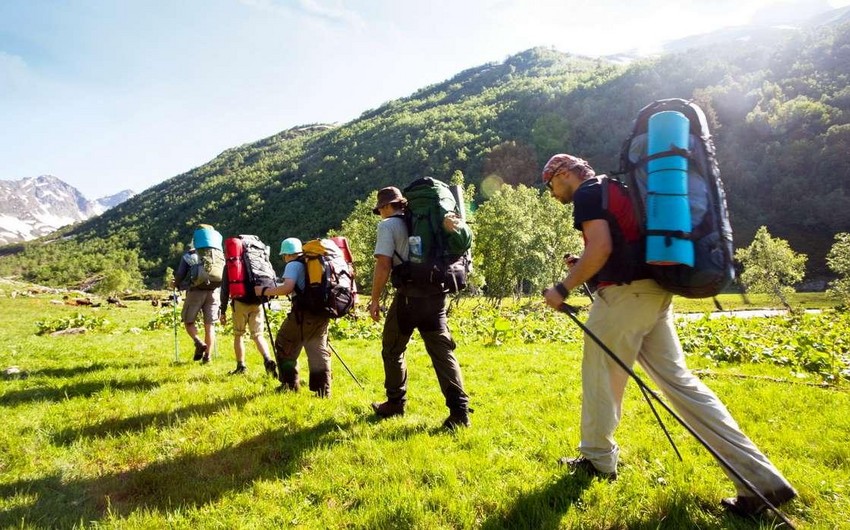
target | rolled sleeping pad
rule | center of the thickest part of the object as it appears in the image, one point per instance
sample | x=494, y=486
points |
x=667, y=205
x=233, y=250
x=457, y=193
x=207, y=238
x=668, y=212
x=342, y=243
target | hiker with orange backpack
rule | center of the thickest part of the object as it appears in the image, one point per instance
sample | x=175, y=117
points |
x=302, y=328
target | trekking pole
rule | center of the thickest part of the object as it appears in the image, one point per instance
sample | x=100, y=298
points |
x=345, y=365
x=570, y=310
x=268, y=307
x=174, y=319
x=586, y=290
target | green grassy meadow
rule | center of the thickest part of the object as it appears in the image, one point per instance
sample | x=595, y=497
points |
x=106, y=430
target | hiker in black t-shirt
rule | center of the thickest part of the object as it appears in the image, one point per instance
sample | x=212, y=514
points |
x=633, y=316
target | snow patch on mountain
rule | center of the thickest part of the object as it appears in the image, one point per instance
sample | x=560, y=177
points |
x=36, y=206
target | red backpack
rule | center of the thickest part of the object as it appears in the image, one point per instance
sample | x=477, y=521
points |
x=625, y=264
x=248, y=265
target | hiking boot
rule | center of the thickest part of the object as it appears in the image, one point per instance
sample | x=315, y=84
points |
x=205, y=359
x=320, y=383
x=289, y=380
x=200, y=350
x=288, y=387
x=586, y=466
x=750, y=505
x=271, y=368
x=388, y=409
x=459, y=418
x=240, y=369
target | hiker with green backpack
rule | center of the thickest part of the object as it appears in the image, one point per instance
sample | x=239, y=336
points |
x=414, y=252
x=632, y=315
x=200, y=273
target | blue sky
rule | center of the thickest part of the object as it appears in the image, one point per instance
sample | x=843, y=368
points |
x=116, y=94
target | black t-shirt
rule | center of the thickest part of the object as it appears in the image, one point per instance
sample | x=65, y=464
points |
x=587, y=203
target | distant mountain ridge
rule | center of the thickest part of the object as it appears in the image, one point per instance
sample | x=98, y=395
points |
x=36, y=206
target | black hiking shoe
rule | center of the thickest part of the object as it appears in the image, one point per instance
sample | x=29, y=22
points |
x=288, y=387
x=388, y=409
x=240, y=369
x=457, y=419
x=271, y=367
x=200, y=350
x=205, y=359
x=751, y=505
x=586, y=466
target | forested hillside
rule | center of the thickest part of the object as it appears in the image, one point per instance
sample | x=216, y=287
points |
x=780, y=111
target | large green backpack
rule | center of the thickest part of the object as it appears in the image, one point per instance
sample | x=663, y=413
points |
x=438, y=258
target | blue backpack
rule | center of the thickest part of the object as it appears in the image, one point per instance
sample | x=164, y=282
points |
x=711, y=233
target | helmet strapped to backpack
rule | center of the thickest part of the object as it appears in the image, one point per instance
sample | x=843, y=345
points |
x=206, y=265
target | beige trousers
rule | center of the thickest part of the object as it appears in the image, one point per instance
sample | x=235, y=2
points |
x=636, y=322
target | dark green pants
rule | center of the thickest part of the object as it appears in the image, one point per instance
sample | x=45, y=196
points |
x=428, y=315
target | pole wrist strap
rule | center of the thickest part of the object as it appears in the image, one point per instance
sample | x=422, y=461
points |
x=561, y=290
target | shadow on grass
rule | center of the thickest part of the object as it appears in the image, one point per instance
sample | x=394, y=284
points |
x=545, y=508
x=73, y=371
x=61, y=393
x=188, y=481
x=542, y=509
x=67, y=373
x=120, y=426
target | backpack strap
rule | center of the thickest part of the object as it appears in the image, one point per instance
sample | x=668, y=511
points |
x=404, y=218
x=670, y=234
x=603, y=183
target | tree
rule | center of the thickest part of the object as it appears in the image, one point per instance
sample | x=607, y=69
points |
x=771, y=266
x=838, y=261
x=113, y=281
x=167, y=278
x=521, y=236
x=360, y=227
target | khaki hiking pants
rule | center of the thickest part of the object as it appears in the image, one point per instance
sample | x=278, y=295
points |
x=636, y=322
x=303, y=330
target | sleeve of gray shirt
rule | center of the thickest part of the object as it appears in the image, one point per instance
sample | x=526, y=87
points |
x=392, y=239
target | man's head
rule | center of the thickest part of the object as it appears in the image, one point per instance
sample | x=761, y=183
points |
x=563, y=173
x=290, y=248
x=390, y=200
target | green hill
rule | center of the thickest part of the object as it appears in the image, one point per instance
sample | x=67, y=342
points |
x=780, y=110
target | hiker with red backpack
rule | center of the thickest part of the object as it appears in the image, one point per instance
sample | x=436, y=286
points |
x=418, y=304
x=199, y=274
x=302, y=328
x=246, y=265
x=632, y=314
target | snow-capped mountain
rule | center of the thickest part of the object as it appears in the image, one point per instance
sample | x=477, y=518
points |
x=35, y=206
